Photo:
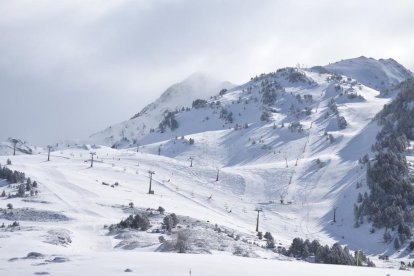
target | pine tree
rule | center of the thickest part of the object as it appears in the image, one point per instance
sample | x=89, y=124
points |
x=305, y=252
x=270, y=243
x=397, y=243
x=21, y=191
x=387, y=236
x=28, y=184
x=359, y=200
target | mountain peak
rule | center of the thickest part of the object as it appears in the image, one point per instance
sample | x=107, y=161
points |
x=197, y=85
x=381, y=74
x=198, y=76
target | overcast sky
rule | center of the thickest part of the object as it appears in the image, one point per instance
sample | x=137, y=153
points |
x=71, y=68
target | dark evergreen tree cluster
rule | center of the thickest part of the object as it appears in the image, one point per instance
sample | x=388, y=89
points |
x=11, y=176
x=332, y=106
x=25, y=185
x=390, y=203
x=139, y=222
x=223, y=91
x=226, y=115
x=269, y=96
x=266, y=116
x=293, y=75
x=296, y=127
x=269, y=91
x=334, y=78
x=169, y=121
x=270, y=241
x=336, y=254
x=199, y=103
x=308, y=98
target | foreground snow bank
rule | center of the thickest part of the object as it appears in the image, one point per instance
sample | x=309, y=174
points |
x=115, y=263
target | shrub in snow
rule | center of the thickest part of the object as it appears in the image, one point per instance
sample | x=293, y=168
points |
x=222, y=92
x=9, y=206
x=139, y=222
x=34, y=255
x=161, y=210
x=308, y=111
x=333, y=107
x=342, y=123
x=364, y=160
x=296, y=126
x=181, y=244
x=265, y=117
x=170, y=221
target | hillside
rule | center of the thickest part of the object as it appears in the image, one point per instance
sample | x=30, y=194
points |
x=176, y=97
x=382, y=74
x=291, y=143
x=7, y=147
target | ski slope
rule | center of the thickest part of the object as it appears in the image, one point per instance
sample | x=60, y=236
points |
x=299, y=178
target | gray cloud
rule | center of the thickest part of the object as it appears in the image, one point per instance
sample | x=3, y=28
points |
x=69, y=68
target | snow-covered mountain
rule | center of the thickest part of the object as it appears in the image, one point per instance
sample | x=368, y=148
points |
x=301, y=131
x=382, y=74
x=7, y=147
x=294, y=144
x=176, y=97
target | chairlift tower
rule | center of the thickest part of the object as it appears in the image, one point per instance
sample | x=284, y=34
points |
x=92, y=155
x=258, y=210
x=151, y=192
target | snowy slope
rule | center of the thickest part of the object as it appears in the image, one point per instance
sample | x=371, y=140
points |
x=177, y=96
x=156, y=264
x=68, y=187
x=7, y=147
x=284, y=149
x=382, y=74
x=316, y=169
